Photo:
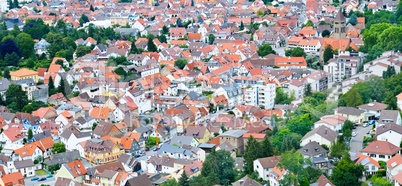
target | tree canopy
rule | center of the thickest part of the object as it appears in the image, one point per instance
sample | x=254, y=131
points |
x=265, y=49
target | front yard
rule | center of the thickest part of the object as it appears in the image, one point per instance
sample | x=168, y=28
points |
x=41, y=172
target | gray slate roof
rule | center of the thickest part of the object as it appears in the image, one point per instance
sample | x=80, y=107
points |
x=236, y=133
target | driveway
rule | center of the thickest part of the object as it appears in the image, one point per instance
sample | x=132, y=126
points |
x=356, y=143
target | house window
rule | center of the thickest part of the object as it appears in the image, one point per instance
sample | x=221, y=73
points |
x=381, y=156
x=373, y=155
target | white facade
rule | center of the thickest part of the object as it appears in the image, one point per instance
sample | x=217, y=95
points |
x=317, y=138
x=261, y=95
x=390, y=136
x=262, y=173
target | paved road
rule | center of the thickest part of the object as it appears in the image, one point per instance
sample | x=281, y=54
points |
x=49, y=181
x=356, y=144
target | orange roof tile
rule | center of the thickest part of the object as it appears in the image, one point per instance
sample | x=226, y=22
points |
x=23, y=72
x=77, y=168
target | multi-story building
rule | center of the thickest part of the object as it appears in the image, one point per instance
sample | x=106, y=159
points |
x=101, y=151
x=261, y=94
x=343, y=66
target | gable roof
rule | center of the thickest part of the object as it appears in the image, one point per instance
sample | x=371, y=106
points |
x=381, y=147
x=324, y=132
x=388, y=127
x=269, y=162
x=394, y=161
x=76, y=168
x=322, y=181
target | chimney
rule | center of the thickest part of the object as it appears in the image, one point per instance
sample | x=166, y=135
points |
x=326, y=131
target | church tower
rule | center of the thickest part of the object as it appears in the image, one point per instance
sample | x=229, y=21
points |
x=339, y=26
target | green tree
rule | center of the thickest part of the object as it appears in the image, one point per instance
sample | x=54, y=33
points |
x=82, y=50
x=337, y=149
x=28, y=109
x=151, y=45
x=328, y=54
x=296, y=52
x=218, y=167
x=120, y=71
x=12, y=59
x=51, y=88
x=83, y=19
x=265, y=49
x=184, y=180
x=15, y=4
x=241, y=26
x=30, y=134
x=293, y=162
x=180, y=63
x=309, y=23
x=325, y=33
x=60, y=24
x=347, y=128
x=58, y=148
x=170, y=182
x=211, y=39
x=353, y=98
x=165, y=29
x=133, y=49
x=353, y=20
x=92, y=8
x=62, y=87
x=7, y=73
x=300, y=124
x=281, y=97
x=308, y=91
x=16, y=95
x=267, y=149
x=26, y=44
x=347, y=172
x=391, y=100
x=251, y=153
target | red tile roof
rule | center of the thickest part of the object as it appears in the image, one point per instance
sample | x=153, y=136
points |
x=77, y=168
x=381, y=147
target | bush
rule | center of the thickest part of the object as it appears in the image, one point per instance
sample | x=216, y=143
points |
x=383, y=164
x=381, y=173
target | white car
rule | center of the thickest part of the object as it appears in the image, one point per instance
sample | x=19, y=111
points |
x=365, y=124
x=354, y=134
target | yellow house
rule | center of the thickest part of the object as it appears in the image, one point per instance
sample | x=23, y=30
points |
x=24, y=74
x=353, y=114
x=101, y=151
x=74, y=170
x=122, y=21
x=201, y=134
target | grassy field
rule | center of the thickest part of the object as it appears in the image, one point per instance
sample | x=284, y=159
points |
x=41, y=172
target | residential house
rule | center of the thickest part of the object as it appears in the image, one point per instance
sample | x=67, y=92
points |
x=276, y=175
x=25, y=167
x=12, y=135
x=175, y=152
x=201, y=134
x=177, y=33
x=24, y=74
x=372, y=110
x=74, y=170
x=235, y=138
x=322, y=135
x=381, y=150
x=388, y=116
x=246, y=181
x=394, y=167
x=12, y=179
x=101, y=151
x=105, y=128
x=41, y=47
x=71, y=137
x=334, y=122
x=290, y=62
x=57, y=99
x=233, y=92
x=371, y=166
x=133, y=143
x=353, y=114
x=265, y=165
x=184, y=141
x=322, y=181
x=390, y=132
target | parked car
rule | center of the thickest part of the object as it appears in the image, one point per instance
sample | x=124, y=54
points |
x=354, y=134
x=355, y=126
x=372, y=122
x=137, y=156
x=365, y=125
x=155, y=149
x=34, y=178
x=42, y=179
x=49, y=176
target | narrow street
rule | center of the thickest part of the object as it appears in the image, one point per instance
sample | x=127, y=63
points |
x=356, y=143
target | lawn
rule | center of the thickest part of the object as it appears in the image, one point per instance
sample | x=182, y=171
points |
x=41, y=172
